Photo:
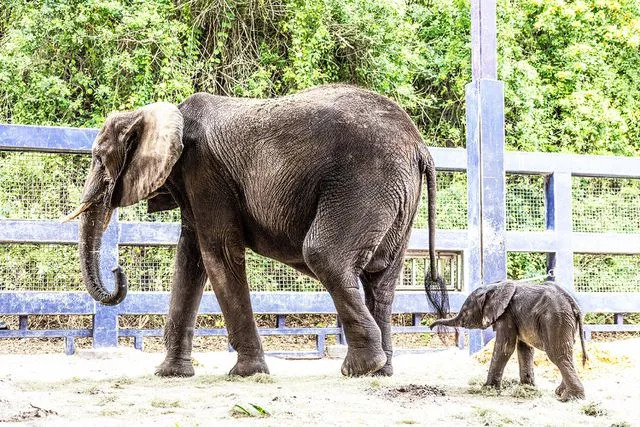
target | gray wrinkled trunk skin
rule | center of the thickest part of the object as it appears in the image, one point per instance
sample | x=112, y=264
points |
x=453, y=322
x=90, y=229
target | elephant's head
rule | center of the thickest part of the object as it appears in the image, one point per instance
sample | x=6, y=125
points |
x=132, y=156
x=482, y=307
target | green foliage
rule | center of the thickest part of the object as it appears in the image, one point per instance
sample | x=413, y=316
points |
x=263, y=274
x=149, y=268
x=40, y=186
x=70, y=62
x=526, y=265
x=570, y=68
x=571, y=75
x=606, y=205
x=525, y=202
x=27, y=267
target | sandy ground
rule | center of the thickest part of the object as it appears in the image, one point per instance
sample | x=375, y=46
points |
x=438, y=388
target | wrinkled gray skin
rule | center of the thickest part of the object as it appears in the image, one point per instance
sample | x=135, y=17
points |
x=326, y=181
x=526, y=316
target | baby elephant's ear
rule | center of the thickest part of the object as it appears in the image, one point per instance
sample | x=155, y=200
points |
x=496, y=302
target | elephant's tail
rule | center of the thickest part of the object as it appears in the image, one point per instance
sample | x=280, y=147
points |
x=581, y=332
x=577, y=313
x=434, y=286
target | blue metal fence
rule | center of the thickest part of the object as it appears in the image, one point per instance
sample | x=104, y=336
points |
x=558, y=241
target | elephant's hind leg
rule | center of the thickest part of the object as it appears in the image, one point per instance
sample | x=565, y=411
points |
x=571, y=387
x=186, y=291
x=559, y=348
x=379, y=289
x=336, y=253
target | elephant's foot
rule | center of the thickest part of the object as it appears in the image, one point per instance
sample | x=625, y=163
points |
x=560, y=389
x=527, y=381
x=571, y=395
x=363, y=361
x=175, y=368
x=493, y=383
x=248, y=366
x=385, y=371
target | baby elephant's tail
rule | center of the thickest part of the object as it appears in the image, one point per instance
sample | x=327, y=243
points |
x=578, y=316
x=581, y=332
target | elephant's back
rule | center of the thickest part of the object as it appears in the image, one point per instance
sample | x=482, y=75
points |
x=284, y=154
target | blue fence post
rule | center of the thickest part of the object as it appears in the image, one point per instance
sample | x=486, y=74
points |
x=23, y=322
x=559, y=219
x=485, y=159
x=105, y=319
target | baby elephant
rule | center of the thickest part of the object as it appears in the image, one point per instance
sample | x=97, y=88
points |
x=544, y=316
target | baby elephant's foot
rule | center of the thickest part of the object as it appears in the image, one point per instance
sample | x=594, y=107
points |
x=571, y=395
x=527, y=379
x=175, y=368
x=363, y=361
x=560, y=389
x=497, y=384
x=246, y=367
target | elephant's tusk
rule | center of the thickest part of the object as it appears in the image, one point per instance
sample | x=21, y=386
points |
x=83, y=207
x=107, y=219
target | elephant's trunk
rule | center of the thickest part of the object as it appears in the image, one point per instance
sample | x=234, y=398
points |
x=91, y=226
x=453, y=322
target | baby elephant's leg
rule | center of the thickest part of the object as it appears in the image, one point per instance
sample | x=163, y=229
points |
x=525, y=360
x=506, y=338
x=570, y=388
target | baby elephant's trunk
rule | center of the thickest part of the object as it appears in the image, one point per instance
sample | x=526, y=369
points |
x=446, y=322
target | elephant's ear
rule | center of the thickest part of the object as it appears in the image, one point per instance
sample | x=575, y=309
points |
x=153, y=143
x=496, y=301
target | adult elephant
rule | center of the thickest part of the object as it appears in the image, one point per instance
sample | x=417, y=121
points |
x=326, y=181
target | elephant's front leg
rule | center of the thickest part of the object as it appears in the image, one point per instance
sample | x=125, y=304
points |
x=186, y=292
x=225, y=265
x=504, y=347
x=525, y=361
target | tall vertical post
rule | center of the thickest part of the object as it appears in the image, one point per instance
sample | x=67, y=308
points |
x=559, y=219
x=105, y=319
x=485, y=158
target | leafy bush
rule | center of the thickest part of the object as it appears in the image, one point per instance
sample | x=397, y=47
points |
x=70, y=62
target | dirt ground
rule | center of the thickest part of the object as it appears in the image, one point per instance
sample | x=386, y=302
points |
x=442, y=387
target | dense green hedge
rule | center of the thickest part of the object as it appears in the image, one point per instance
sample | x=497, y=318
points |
x=570, y=67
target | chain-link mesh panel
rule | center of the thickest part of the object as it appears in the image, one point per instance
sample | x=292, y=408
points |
x=138, y=213
x=606, y=273
x=451, y=202
x=265, y=274
x=39, y=185
x=606, y=204
x=526, y=265
x=148, y=268
x=416, y=267
x=525, y=200
x=39, y=267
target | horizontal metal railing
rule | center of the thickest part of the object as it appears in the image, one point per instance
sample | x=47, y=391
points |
x=558, y=240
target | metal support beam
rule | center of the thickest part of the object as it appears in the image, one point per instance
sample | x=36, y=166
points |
x=485, y=159
x=559, y=220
